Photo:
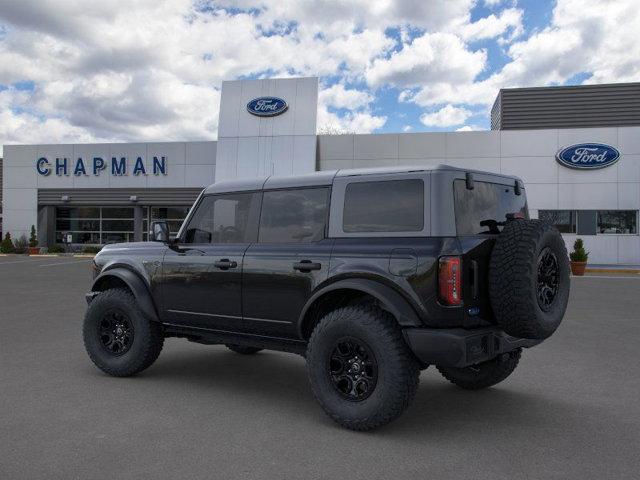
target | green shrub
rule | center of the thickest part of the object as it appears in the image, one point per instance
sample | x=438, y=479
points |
x=56, y=249
x=579, y=254
x=91, y=249
x=21, y=244
x=7, y=244
x=33, y=238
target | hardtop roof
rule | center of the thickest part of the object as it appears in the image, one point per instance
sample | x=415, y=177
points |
x=326, y=177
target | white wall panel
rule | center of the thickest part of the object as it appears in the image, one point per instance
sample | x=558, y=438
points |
x=332, y=147
x=542, y=196
x=302, y=161
x=489, y=164
x=230, y=106
x=306, y=106
x=21, y=177
x=529, y=143
x=570, y=136
x=200, y=153
x=421, y=145
x=628, y=249
x=629, y=196
x=248, y=158
x=588, y=196
x=473, y=144
x=199, y=175
x=371, y=147
x=531, y=169
x=629, y=140
x=22, y=155
x=629, y=168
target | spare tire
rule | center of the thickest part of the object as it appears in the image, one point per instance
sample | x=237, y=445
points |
x=529, y=279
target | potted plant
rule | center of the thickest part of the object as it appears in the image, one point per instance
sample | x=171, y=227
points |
x=33, y=242
x=578, y=258
x=7, y=244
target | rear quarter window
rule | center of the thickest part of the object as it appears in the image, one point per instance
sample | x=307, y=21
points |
x=384, y=206
x=484, y=209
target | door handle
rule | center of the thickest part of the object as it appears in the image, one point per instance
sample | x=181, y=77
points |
x=225, y=264
x=306, y=266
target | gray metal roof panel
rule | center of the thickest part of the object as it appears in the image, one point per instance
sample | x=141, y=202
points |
x=325, y=177
x=236, y=185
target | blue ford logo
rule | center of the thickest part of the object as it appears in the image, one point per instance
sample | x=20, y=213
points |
x=588, y=156
x=267, y=106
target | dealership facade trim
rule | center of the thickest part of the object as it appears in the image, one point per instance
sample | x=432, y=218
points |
x=581, y=173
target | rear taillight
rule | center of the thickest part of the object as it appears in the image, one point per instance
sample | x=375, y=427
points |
x=450, y=281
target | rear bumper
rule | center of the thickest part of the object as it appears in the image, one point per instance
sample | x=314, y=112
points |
x=457, y=347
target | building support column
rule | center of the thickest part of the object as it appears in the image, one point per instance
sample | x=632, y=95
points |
x=138, y=217
x=46, y=226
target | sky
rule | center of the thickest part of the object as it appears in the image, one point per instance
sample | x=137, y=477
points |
x=75, y=71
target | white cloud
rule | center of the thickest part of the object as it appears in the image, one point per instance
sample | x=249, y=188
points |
x=469, y=128
x=447, y=116
x=492, y=3
x=509, y=20
x=338, y=96
x=432, y=57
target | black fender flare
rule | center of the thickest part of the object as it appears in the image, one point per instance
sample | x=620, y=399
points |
x=390, y=300
x=137, y=286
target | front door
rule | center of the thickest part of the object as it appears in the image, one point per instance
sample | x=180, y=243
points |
x=289, y=260
x=202, y=271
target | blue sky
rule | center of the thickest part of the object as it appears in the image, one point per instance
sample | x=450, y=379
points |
x=77, y=71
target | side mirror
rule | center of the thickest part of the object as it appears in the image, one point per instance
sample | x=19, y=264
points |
x=160, y=232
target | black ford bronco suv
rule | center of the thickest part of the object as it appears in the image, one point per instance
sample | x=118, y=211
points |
x=372, y=275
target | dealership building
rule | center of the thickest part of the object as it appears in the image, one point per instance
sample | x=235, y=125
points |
x=576, y=148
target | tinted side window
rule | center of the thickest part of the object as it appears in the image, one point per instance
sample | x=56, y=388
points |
x=294, y=215
x=484, y=209
x=229, y=218
x=384, y=206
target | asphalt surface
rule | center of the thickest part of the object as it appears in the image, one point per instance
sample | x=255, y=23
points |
x=570, y=410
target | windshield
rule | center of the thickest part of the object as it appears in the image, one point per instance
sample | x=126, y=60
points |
x=484, y=209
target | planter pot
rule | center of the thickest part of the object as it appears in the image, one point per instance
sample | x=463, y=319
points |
x=34, y=250
x=578, y=268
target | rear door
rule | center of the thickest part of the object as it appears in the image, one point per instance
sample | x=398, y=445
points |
x=289, y=260
x=202, y=271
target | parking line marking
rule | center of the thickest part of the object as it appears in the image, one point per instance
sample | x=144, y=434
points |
x=621, y=277
x=21, y=261
x=63, y=263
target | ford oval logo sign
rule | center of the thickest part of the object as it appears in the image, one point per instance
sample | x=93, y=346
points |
x=588, y=156
x=267, y=106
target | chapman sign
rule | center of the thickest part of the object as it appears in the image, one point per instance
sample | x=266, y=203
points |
x=267, y=106
x=118, y=166
x=588, y=156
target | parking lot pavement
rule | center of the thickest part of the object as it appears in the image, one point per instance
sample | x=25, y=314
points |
x=570, y=410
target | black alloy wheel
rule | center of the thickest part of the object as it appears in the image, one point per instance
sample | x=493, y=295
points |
x=116, y=332
x=353, y=369
x=547, y=289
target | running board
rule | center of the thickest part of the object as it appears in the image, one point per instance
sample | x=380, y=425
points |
x=216, y=337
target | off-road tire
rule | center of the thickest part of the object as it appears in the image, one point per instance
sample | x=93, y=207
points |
x=147, y=342
x=514, y=279
x=241, y=349
x=398, y=370
x=484, y=374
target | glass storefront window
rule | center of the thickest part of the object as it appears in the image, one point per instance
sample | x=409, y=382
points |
x=94, y=225
x=174, y=216
x=618, y=221
x=564, y=220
